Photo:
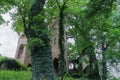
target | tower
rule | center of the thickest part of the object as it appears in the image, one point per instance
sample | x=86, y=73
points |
x=23, y=53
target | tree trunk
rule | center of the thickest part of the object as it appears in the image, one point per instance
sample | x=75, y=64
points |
x=104, y=69
x=80, y=57
x=104, y=66
x=61, y=43
x=42, y=66
x=63, y=67
x=94, y=71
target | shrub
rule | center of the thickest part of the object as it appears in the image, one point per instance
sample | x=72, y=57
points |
x=2, y=58
x=11, y=64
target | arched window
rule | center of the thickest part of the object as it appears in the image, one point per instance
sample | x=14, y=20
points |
x=55, y=41
x=20, y=51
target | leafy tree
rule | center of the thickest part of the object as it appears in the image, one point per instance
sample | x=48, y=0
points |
x=29, y=18
x=62, y=6
x=80, y=29
x=38, y=40
x=4, y=8
x=101, y=27
x=87, y=20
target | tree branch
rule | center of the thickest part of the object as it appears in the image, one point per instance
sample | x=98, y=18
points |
x=23, y=19
x=65, y=2
x=58, y=4
x=83, y=51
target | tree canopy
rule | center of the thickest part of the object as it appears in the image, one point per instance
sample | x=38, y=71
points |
x=93, y=24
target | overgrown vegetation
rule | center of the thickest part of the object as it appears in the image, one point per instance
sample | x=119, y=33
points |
x=93, y=24
x=11, y=64
x=21, y=75
x=26, y=75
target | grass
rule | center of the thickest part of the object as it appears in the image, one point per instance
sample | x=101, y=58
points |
x=21, y=75
x=15, y=75
x=69, y=78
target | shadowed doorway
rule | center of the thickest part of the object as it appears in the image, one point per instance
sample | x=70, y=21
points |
x=56, y=65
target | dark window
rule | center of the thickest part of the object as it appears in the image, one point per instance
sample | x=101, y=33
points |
x=29, y=65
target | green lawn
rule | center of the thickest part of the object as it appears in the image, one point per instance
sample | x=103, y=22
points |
x=26, y=75
x=15, y=75
x=21, y=75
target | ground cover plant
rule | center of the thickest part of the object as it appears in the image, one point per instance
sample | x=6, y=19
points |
x=15, y=75
x=22, y=75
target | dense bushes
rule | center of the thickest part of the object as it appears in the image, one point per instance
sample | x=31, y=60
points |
x=11, y=64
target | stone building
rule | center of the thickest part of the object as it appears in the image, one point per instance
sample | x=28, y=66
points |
x=23, y=53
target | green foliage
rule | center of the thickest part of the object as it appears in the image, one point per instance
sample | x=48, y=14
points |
x=38, y=39
x=15, y=75
x=22, y=75
x=20, y=16
x=96, y=7
x=71, y=51
x=2, y=58
x=35, y=44
x=18, y=25
x=1, y=20
x=51, y=10
x=11, y=64
x=26, y=75
x=75, y=6
x=5, y=6
x=90, y=22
